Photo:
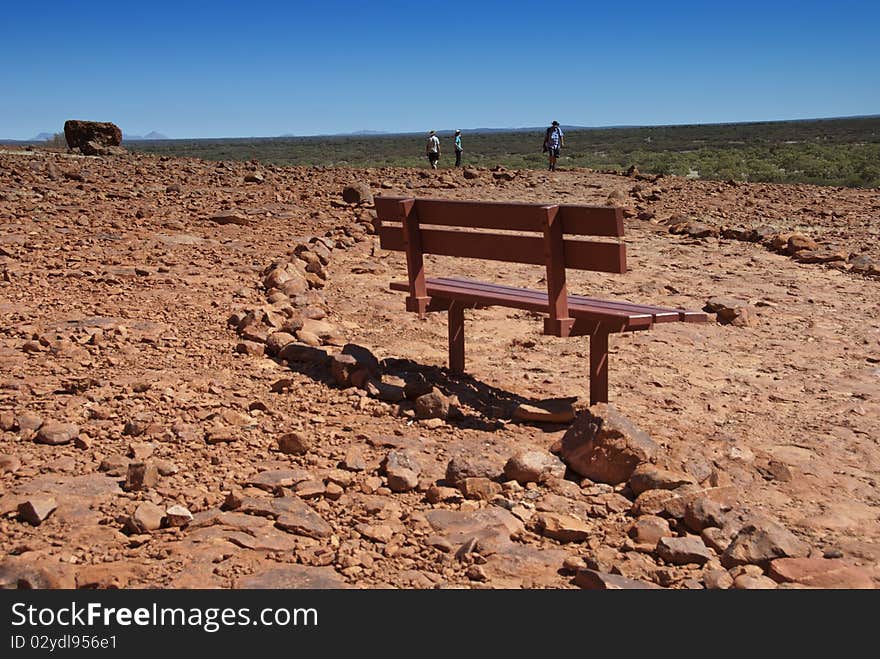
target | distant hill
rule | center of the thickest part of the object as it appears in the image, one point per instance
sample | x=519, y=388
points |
x=152, y=135
x=42, y=137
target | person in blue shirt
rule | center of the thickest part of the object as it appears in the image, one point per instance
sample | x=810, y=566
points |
x=458, y=148
x=554, y=140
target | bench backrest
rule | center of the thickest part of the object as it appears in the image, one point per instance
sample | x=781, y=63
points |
x=410, y=225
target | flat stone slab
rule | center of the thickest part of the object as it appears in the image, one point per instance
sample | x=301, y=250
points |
x=546, y=411
x=293, y=577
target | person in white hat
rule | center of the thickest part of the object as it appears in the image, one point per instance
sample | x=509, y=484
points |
x=554, y=140
x=458, y=148
x=433, y=149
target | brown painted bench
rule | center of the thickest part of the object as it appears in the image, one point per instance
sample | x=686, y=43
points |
x=464, y=229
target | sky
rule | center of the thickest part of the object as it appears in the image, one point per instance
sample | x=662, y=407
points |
x=259, y=68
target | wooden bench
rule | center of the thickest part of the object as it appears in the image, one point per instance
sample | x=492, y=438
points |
x=418, y=227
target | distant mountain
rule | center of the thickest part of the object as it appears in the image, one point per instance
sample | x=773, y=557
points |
x=42, y=137
x=152, y=135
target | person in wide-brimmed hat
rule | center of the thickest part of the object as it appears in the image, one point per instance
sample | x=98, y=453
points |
x=458, y=148
x=554, y=140
x=433, y=149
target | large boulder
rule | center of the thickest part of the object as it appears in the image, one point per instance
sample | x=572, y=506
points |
x=93, y=138
x=605, y=446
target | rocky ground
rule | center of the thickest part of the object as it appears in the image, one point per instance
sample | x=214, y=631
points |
x=206, y=382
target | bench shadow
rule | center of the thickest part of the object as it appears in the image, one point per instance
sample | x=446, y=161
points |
x=482, y=405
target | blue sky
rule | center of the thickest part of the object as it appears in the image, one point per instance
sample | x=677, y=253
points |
x=259, y=68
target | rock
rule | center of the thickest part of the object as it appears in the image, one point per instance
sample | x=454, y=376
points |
x=533, y=467
x=178, y=516
x=648, y=530
x=23, y=572
x=254, y=177
x=272, y=479
x=357, y=193
x=820, y=256
x=491, y=528
x=693, y=229
x=470, y=466
x=861, y=264
x=298, y=352
x=29, y=421
x=354, y=459
x=650, y=477
x=438, y=493
x=417, y=386
x=481, y=489
x=716, y=538
x=147, y=517
x=718, y=580
x=36, y=508
x=749, y=582
x=760, y=542
x=230, y=217
x=593, y=580
x=300, y=518
x=140, y=451
x=402, y=471
x=220, y=435
x=548, y=411
x=115, y=465
x=9, y=464
x=798, y=241
x=8, y=421
x=390, y=393
x=364, y=358
x=342, y=367
x=731, y=312
x=605, y=446
x=294, y=443
x=277, y=340
x=820, y=573
x=54, y=433
x=166, y=467
x=92, y=138
x=682, y=551
x=141, y=476
x=250, y=348
x=376, y=532
x=138, y=425
x=310, y=489
x=702, y=513
x=432, y=406
x=293, y=577
x=562, y=527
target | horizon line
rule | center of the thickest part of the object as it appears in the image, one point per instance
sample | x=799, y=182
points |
x=381, y=133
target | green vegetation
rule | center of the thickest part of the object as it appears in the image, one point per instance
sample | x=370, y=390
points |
x=839, y=152
x=57, y=141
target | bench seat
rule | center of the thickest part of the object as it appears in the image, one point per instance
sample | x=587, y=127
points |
x=590, y=314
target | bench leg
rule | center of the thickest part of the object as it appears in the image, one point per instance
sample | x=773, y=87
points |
x=456, y=337
x=598, y=368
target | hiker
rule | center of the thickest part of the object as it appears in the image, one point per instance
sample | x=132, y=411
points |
x=458, y=148
x=433, y=149
x=554, y=140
